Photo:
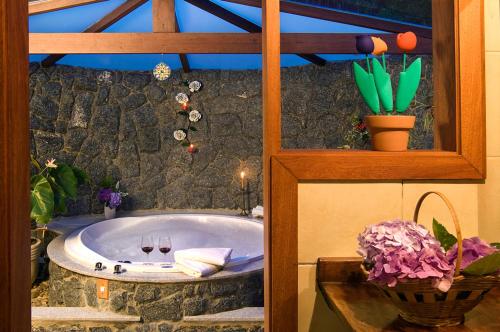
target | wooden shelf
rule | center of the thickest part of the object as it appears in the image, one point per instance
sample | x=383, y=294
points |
x=363, y=308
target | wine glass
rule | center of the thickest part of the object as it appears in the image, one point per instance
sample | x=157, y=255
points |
x=164, y=244
x=147, y=244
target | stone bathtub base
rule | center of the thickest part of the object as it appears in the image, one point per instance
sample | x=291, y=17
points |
x=143, y=327
x=156, y=301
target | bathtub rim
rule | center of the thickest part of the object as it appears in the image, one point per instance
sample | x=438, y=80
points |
x=58, y=255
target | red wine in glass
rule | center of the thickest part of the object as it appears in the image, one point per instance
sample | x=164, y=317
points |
x=164, y=244
x=165, y=250
x=147, y=250
x=147, y=244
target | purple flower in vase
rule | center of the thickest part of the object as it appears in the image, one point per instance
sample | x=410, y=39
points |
x=473, y=249
x=104, y=195
x=115, y=200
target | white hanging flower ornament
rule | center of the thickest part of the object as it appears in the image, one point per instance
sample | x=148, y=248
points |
x=194, y=86
x=194, y=116
x=182, y=98
x=180, y=135
x=162, y=71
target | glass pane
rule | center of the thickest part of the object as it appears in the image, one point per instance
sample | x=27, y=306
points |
x=322, y=107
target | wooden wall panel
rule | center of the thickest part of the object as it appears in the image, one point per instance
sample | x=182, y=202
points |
x=444, y=75
x=14, y=168
x=471, y=103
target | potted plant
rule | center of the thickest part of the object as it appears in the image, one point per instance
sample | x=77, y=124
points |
x=432, y=280
x=111, y=196
x=388, y=132
x=51, y=186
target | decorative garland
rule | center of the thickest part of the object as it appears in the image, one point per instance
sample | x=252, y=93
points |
x=191, y=115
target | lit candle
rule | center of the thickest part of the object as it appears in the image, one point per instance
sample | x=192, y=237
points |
x=184, y=106
x=192, y=148
x=242, y=176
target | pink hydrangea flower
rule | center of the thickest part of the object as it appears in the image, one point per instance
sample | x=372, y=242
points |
x=473, y=249
x=397, y=250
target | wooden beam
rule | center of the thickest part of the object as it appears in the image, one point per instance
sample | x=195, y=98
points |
x=244, y=24
x=271, y=125
x=183, y=57
x=114, y=16
x=46, y=6
x=199, y=43
x=343, y=17
x=15, y=204
x=164, y=16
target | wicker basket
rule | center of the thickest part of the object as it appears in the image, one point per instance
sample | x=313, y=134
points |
x=420, y=303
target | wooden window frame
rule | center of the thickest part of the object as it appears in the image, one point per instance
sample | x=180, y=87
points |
x=461, y=117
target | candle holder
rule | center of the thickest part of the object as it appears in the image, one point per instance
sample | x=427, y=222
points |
x=245, y=200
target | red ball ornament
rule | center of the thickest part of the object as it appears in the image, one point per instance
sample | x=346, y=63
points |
x=192, y=149
x=184, y=106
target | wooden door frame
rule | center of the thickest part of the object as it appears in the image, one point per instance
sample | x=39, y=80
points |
x=464, y=109
x=283, y=169
x=15, y=276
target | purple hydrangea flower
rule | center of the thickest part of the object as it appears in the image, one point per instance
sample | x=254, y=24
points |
x=115, y=200
x=104, y=195
x=400, y=250
x=473, y=249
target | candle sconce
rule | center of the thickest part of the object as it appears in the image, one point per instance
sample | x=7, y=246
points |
x=245, y=196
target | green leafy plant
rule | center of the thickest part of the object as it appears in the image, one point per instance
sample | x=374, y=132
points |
x=375, y=85
x=51, y=188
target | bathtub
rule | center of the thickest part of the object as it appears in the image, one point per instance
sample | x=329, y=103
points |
x=117, y=241
x=151, y=285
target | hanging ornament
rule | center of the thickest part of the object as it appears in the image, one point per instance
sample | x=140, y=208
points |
x=182, y=98
x=180, y=135
x=194, y=86
x=162, y=71
x=194, y=116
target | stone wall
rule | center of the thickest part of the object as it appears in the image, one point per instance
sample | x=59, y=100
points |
x=123, y=126
x=155, y=301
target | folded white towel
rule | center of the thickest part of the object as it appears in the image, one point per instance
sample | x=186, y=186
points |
x=194, y=268
x=258, y=212
x=213, y=256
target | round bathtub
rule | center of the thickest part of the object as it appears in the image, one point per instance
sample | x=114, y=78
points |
x=117, y=241
x=147, y=287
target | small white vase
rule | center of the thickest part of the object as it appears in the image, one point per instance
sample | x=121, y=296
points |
x=109, y=213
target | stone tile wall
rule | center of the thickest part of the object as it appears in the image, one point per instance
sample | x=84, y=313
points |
x=122, y=125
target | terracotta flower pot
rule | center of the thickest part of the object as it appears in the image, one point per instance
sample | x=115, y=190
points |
x=390, y=132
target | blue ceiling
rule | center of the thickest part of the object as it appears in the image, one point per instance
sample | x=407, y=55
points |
x=191, y=19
